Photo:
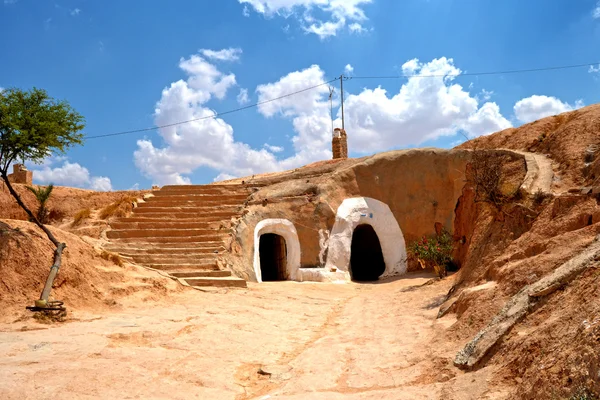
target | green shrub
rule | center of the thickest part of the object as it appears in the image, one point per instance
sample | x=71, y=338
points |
x=434, y=251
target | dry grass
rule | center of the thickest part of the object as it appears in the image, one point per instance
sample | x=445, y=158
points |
x=119, y=208
x=112, y=257
x=80, y=216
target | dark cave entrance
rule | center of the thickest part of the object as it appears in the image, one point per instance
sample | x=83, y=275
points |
x=273, y=257
x=366, y=257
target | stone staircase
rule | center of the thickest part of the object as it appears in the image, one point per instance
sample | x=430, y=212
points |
x=182, y=230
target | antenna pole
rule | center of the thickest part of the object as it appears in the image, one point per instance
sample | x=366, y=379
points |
x=342, y=94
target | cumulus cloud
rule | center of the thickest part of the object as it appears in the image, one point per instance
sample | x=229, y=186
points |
x=68, y=174
x=348, y=69
x=337, y=12
x=242, y=97
x=596, y=11
x=423, y=109
x=535, y=107
x=230, y=54
x=75, y=12
x=356, y=28
x=101, y=184
x=273, y=149
x=206, y=142
x=209, y=142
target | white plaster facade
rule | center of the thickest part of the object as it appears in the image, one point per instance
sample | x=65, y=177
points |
x=364, y=210
x=287, y=230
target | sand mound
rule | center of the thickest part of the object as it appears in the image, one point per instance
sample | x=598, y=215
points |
x=85, y=280
x=64, y=202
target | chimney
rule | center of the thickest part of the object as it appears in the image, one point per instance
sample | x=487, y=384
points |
x=339, y=144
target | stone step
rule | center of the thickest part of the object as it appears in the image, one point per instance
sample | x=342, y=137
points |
x=161, y=217
x=207, y=266
x=190, y=240
x=210, y=190
x=205, y=234
x=118, y=225
x=177, y=196
x=219, y=186
x=170, y=259
x=166, y=248
x=223, y=210
x=200, y=274
x=230, y=281
x=169, y=202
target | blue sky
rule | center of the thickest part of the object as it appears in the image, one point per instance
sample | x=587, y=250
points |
x=134, y=64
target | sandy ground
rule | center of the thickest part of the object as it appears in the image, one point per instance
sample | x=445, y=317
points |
x=317, y=341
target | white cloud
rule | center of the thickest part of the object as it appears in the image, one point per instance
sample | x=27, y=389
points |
x=246, y=11
x=68, y=174
x=210, y=142
x=486, y=94
x=230, y=54
x=75, y=12
x=348, y=69
x=7, y=2
x=337, y=13
x=308, y=111
x=206, y=142
x=536, y=107
x=242, y=97
x=101, y=184
x=273, y=149
x=356, y=28
x=485, y=121
x=223, y=177
x=423, y=109
x=596, y=12
x=136, y=186
x=594, y=70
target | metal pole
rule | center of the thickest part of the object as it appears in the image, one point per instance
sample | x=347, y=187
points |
x=342, y=94
x=331, y=106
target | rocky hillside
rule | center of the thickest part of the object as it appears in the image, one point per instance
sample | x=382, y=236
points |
x=553, y=351
x=571, y=140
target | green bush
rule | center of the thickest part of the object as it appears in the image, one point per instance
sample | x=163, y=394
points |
x=434, y=251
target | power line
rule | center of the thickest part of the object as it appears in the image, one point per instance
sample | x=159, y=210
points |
x=513, y=71
x=211, y=116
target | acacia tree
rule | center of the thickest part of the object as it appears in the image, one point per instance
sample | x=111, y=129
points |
x=34, y=126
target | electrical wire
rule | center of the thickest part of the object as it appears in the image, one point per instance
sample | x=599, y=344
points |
x=514, y=71
x=216, y=115
x=211, y=116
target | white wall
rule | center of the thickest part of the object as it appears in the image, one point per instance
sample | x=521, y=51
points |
x=285, y=229
x=364, y=210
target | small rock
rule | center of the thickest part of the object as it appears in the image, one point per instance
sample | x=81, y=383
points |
x=276, y=372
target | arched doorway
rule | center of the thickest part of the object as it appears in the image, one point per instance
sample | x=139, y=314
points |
x=273, y=257
x=366, y=256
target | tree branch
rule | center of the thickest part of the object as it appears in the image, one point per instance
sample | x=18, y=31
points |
x=28, y=211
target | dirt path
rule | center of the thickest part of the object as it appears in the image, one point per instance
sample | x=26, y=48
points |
x=539, y=172
x=317, y=341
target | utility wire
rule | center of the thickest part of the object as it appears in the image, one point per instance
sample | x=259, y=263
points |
x=216, y=115
x=513, y=71
x=212, y=116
